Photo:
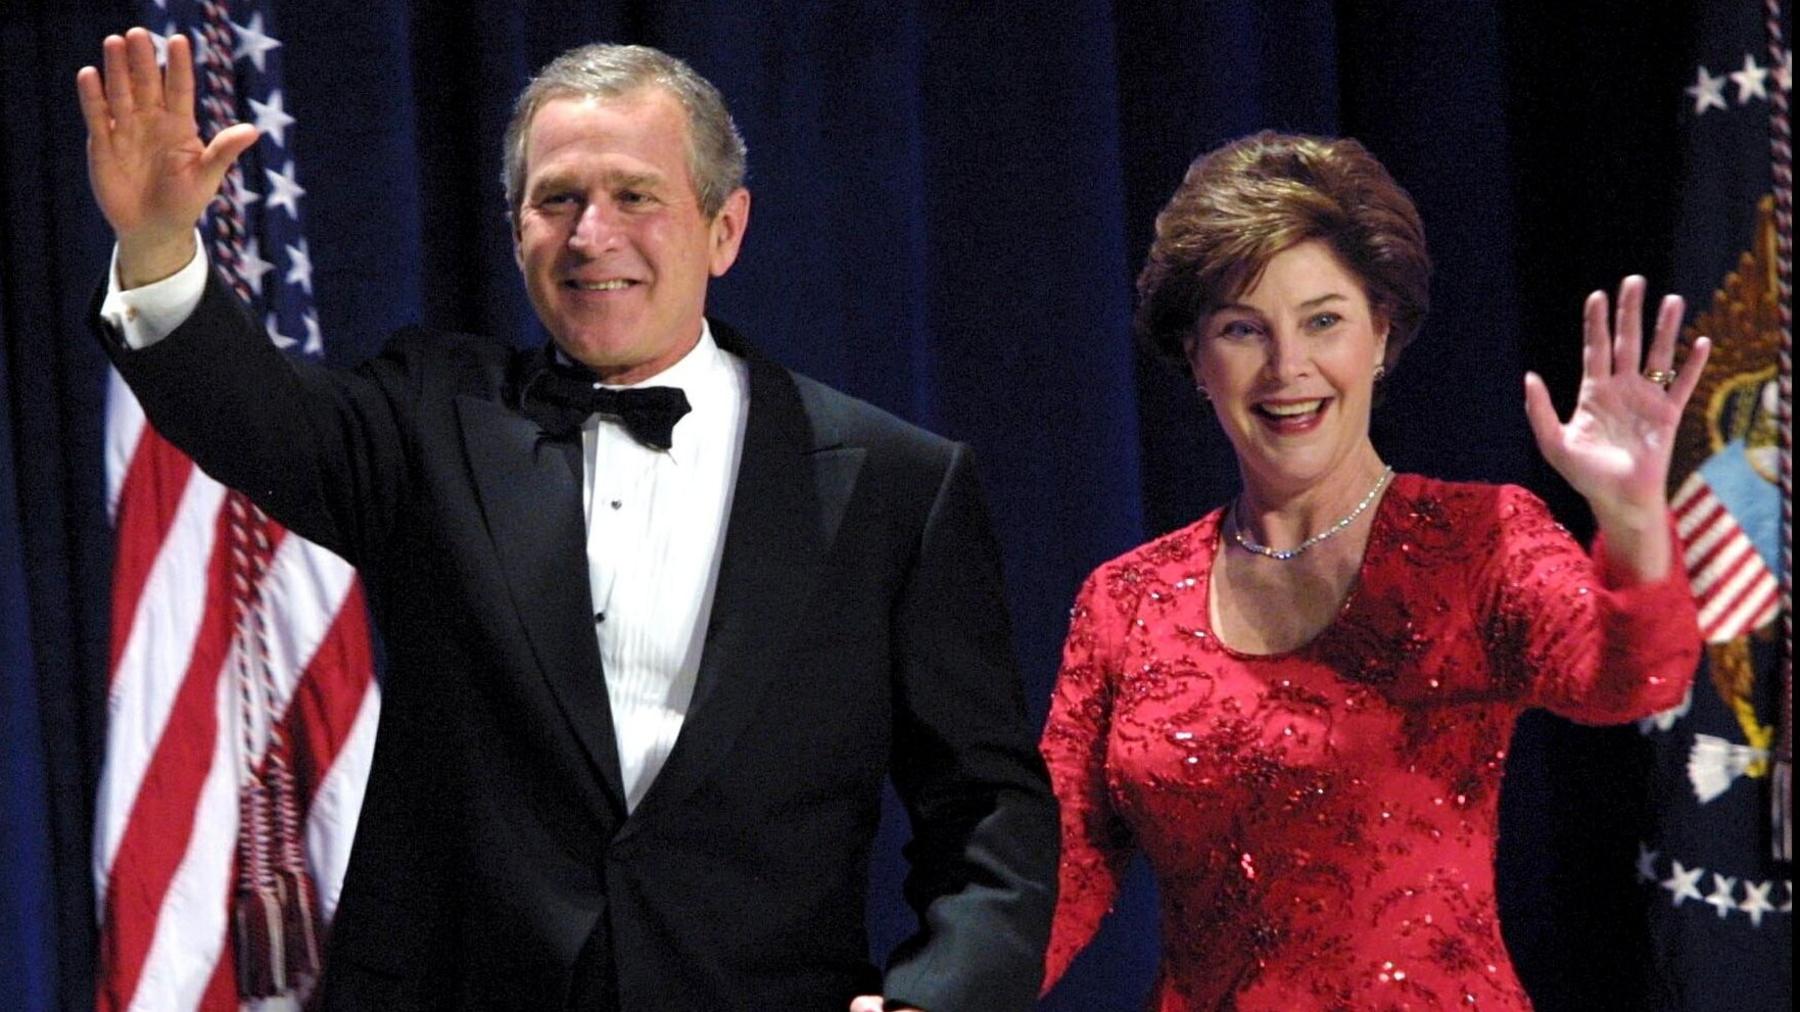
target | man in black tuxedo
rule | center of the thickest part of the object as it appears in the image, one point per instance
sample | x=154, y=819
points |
x=661, y=616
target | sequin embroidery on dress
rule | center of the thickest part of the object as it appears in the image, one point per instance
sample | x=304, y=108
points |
x=1321, y=822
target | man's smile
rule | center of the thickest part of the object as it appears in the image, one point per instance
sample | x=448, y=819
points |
x=609, y=285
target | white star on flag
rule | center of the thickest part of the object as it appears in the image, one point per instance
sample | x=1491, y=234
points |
x=276, y=337
x=161, y=42
x=315, y=341
x=284, y=191
x=271, y=119
x=1646, y=864
x=1756, y=901
x=252, y=42
x=254, y=266
x=299, y=266
x=1708, y=91
x=1750, y=80
x=1721, y=897
x=1683, y=884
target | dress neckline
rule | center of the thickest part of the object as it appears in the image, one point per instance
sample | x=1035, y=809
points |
x=1215, y=535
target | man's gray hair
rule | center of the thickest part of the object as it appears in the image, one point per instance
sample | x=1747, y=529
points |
x=604, y=71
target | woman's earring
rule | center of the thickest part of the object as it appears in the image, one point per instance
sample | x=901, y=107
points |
x=1201, y=390
x=1380, y=373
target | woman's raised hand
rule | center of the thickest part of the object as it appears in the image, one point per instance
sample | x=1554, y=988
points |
x=151, y=173
x=1616, y=447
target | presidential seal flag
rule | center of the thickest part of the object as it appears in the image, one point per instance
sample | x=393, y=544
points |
x=1715, y=860
x=241, y=703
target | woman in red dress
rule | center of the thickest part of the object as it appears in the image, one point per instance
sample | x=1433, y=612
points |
x=1298, y=706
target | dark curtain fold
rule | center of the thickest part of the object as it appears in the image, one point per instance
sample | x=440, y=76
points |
x=951, y=201
x=56, y=604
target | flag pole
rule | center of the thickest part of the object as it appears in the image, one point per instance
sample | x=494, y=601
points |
x=1782, y=155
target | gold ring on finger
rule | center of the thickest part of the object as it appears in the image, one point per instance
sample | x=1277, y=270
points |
x=1661, y=377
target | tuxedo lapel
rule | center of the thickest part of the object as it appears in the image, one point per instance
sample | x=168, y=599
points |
x=793, y=484
x=530, y=493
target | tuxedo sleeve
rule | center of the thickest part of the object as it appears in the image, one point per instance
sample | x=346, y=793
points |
x=319, y=450
x=983, y=855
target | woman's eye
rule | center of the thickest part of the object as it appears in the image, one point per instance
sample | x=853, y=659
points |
x=1237, y=330
x=1324, y=321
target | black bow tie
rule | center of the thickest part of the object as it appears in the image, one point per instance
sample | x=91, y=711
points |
x=559, y=399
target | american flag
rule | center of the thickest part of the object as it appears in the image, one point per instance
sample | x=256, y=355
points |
x=241, y=702
x=1713, y=864
x=1733, y=585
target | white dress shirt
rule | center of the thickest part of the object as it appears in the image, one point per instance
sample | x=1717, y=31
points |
x=655, y=524
x=655, y=535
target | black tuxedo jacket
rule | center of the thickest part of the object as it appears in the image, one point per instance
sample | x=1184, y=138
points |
x=858, y=632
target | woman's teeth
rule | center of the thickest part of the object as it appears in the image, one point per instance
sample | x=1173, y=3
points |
x=1291, y=409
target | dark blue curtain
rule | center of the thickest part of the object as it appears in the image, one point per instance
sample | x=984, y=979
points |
x=950, y=203
x=55, y=543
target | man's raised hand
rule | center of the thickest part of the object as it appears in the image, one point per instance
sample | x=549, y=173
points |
x=151, y=173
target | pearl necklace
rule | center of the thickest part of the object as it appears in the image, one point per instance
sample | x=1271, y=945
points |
x=1283, y=555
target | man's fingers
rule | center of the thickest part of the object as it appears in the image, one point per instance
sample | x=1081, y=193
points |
x=224, y=148
x=146, y=76
x=117, y=79
x=866, y=1003
x=93, y=107
x=179, y=84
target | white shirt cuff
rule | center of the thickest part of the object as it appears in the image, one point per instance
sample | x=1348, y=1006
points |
x=148, y=313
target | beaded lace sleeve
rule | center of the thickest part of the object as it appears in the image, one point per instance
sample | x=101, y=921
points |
x=1095, y=842
x=1581, y=641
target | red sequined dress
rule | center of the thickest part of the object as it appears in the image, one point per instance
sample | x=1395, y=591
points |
x=1321, y=822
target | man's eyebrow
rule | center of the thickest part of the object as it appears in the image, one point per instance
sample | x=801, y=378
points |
x=613, y=178
x=620, y=179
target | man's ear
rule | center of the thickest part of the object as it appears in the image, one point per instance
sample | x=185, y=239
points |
x=727, y=231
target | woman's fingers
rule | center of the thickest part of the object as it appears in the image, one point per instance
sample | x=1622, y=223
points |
x=1661, y=357
x=1541, y=413
x=1628, y=326
x=1689, y=376
x=1596, y=343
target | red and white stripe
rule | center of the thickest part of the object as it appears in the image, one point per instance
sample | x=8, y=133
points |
x=180, y=736
x=167, y=816
x=1734, y=587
